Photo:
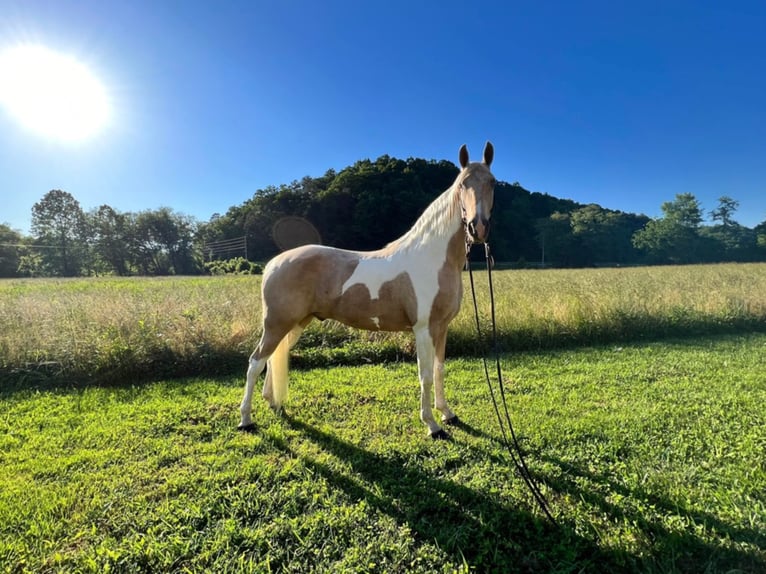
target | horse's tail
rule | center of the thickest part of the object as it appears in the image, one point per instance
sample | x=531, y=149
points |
x=278, y=366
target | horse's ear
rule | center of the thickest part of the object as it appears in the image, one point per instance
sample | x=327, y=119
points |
x=489, y=153
x=463, y=156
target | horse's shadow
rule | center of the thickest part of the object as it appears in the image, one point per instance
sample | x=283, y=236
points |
x=471, y=526
x=488, y=533
x=670, y=547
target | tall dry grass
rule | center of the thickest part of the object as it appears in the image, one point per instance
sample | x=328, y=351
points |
x=561, y=306
x=121, y=328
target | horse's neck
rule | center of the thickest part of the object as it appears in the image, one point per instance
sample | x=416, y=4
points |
x=435, y=228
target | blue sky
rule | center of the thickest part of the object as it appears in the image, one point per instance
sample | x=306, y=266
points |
x=624, y=104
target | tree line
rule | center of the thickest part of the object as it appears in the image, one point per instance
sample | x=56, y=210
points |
x=68, y=242
x=364, y=206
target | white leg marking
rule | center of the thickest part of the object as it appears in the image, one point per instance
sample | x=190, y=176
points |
x=425, y=349
x=253, y=371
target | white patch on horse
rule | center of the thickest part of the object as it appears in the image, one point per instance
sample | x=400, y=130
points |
x=376, y=320
x=421, y=266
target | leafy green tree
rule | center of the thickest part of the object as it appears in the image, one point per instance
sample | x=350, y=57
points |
x=589, y=235
x=111, y=237
x=593, y=227
x=59, y=224
x=725, y=210
x=162, y=243
x=760, y=240
x=513, y=229
x=11, y=251
x=518, y=218
x=557, y=243
x=31, y=264
x=729, y=241
x=685, y=211
x=657, y=239
x=604, y=236
x=674, y=238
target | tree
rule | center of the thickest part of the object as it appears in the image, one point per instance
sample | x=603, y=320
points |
x=731, y=242
x=557, y=244
x=684, y=211
x=675, y=237
x=58, y=224
x=597, y=231
x=10, y=251
x=111, y=239
x=162, y=242
x=726, y=208
x=760, y=239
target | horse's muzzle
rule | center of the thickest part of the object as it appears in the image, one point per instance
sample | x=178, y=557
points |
x=478, y=229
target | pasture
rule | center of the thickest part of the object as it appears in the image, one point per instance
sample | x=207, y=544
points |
x=124, y=329
x=637, y=393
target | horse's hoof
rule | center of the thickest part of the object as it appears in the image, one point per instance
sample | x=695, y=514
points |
x=246, y=428
x=441, y=434
x=278, y=410
x=452, y=421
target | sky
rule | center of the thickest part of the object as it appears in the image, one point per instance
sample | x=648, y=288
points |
x=624, y=104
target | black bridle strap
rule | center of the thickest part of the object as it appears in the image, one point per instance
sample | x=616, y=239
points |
x=513, y=449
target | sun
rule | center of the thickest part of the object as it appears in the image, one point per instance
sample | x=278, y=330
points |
x=52, y=94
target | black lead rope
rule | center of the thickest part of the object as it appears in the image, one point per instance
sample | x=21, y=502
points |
x=514, y=450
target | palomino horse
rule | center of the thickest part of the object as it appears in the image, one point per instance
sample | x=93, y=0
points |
x=413, y=283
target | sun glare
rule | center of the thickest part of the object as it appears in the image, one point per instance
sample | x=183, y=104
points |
x=52, y=94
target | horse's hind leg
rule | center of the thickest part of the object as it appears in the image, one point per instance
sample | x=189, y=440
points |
x=253, y=371
x=258, y=360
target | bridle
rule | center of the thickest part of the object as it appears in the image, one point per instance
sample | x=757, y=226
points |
x=468, y=226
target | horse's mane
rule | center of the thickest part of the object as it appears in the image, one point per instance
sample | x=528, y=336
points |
x=434, y=221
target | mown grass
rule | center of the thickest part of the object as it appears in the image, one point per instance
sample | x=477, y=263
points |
x=651, y=456
x=113, y=329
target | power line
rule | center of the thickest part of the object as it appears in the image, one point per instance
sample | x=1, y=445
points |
x=225, y=247
x=30, y=245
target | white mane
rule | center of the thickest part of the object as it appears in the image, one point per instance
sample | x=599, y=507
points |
x=437, y=220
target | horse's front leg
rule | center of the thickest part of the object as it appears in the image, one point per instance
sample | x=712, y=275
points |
x=440, y=402
x=426, y=354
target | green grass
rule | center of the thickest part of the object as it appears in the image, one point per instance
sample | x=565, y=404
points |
x=651, y=455
x=115, y=329
x=649, y=449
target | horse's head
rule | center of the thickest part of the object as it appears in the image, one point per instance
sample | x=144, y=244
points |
x=476, y=186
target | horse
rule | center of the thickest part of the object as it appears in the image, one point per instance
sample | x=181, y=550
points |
x=412, y=284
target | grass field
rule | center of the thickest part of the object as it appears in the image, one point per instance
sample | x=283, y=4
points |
x=637, y=393
x=651, y=456
x=110, y=329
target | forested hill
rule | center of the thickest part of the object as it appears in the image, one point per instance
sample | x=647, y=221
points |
x=365, y=206
x=370, y=203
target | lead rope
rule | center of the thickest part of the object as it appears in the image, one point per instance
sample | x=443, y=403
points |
x=513, y=449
